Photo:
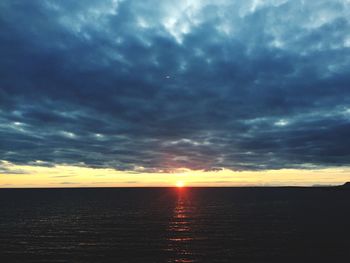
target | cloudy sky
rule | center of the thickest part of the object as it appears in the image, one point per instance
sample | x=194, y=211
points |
x=153, y=89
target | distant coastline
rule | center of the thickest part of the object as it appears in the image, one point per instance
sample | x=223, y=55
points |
x=344, y=186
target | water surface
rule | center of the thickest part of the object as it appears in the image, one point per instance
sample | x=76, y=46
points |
x=173, y=225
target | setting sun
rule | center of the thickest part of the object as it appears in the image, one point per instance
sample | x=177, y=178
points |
x=180, y=184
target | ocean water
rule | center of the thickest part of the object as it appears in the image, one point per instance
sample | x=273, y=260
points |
x=175, y=225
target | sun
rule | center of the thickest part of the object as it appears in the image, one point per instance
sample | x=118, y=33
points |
x=180, y=184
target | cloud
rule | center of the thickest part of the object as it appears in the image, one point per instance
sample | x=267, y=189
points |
x=69, y=183
x=243, y=85
x=6, y=169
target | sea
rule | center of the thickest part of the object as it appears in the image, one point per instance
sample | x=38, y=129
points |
x=262, y=224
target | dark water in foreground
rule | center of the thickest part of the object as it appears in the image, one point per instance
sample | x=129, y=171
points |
x=171, y=225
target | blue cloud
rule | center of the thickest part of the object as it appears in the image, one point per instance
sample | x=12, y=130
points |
x=200, y=84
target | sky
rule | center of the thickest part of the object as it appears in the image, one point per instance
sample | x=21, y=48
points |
x=145, y=93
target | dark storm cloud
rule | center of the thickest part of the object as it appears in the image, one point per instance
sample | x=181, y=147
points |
x=200, y=84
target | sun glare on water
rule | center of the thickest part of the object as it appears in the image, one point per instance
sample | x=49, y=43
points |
x=180, y=184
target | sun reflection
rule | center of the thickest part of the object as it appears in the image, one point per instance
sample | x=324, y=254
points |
x=180, y=229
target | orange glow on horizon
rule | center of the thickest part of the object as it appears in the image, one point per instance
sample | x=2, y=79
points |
x=17, y=176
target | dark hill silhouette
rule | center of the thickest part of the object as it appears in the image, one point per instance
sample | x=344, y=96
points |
x=345, y=186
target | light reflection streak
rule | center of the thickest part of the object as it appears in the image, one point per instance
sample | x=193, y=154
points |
x=180, y=229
